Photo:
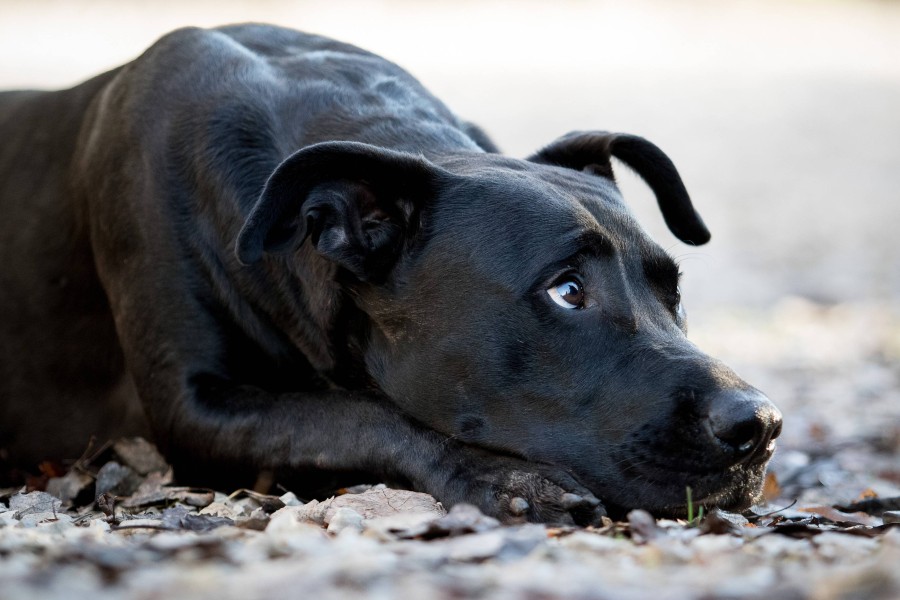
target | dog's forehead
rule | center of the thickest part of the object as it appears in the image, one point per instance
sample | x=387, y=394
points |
x=508, y=218
x=519, y=190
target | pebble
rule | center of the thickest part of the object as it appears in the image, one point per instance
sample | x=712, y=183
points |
x=290, y=499
x=345, y=518
x=371, y=550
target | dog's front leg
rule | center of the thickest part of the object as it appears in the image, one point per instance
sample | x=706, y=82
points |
x=337, y=431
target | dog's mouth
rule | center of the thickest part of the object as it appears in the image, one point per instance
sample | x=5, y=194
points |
x=665, y=489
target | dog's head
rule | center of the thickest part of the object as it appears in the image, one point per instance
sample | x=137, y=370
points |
x=518, y=306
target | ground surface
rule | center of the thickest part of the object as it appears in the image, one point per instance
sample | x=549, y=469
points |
x=782, y=118
x=833, y=369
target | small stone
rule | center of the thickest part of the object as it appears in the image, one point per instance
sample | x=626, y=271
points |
x=643, y=526
x=99, y=525
x=344, y=518
x=290, y=499
x=582, y=541
x=254, y=521
x=465, y=518
x=245, y=506
x=60, y=524
x=35, y=519
x=399, y=526
x=284, y=520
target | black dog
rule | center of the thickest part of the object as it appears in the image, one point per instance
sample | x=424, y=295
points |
x=273, y=251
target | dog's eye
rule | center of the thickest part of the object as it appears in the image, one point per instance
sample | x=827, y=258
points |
x=567, y=292
x=679, y=307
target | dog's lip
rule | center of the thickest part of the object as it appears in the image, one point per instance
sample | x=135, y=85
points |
x=670, y=500
x=650, y=469
x=661, y=488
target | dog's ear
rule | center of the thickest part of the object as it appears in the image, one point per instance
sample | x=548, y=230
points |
x=591, y=151
x=356, y=203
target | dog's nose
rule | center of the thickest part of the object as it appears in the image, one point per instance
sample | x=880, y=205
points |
x=744, y=421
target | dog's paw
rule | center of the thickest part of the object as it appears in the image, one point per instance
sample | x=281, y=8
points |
x=516, y=491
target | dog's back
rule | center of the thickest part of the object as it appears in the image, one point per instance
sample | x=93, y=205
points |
x=225, y=106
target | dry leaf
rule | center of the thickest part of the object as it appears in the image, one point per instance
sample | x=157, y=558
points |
x=771, y=488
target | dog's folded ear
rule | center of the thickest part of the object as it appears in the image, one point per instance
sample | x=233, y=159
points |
x=591, y=151
x=356, y=202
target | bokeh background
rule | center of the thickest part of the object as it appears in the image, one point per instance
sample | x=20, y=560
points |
x=783, y=117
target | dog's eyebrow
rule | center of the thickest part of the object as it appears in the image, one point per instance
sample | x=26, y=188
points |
x=590, y=243
x=593, y=243
x=573, y=249
x=661, y=270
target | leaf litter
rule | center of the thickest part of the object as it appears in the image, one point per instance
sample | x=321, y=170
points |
x=114, y=524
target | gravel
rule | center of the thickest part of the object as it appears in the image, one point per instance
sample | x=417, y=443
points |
x=835, y=378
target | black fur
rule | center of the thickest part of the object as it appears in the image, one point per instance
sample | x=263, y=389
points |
x=273, y=251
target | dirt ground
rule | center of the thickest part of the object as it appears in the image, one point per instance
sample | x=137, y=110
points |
x=782, y=119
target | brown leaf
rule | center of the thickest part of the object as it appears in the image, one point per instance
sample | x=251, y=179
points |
x=150, y=491
x=376, y=502
x=771, y=488
x=720, y=522
x=72, y=488
x=140, y=455
x=462, y=519
x=268, y=503
x=867, y=493
x=836, y=516
x=154, y=490
x=198, y=497
x=871, y=506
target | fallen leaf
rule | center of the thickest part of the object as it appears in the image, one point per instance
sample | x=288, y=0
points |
x=461, y=520
x=871, y=506
x=51, y=469
x=117, y=480
x=180, y=517
x=267, y=502
x=377, y=502
x=72, y=488
x=867, y=493
x=154, y=491
x=836, y=516
x=719, y=522
x=771, y=488
x=140, y=455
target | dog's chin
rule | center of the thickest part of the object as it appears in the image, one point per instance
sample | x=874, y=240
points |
x=733, y=490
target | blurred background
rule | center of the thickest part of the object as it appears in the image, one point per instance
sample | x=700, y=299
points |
x=782, y=116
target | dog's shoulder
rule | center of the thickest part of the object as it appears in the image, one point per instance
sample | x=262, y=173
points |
x=253, y=61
